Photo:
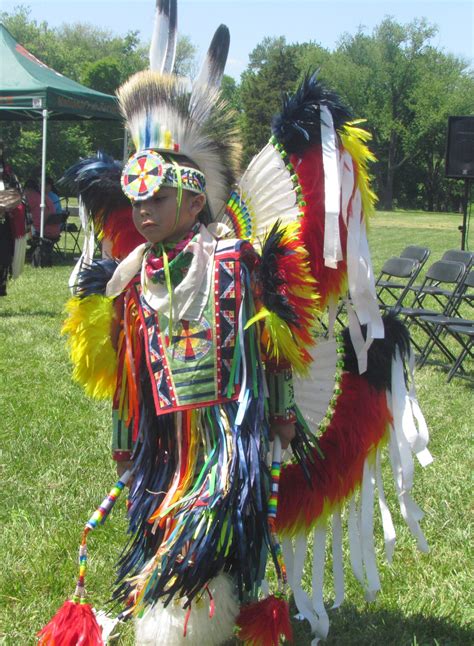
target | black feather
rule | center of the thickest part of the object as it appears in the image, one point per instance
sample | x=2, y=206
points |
x=97, y=181
x=272, y=281
x=381, y=352
x=217, y=54
x=93, y=278
x=298, y=126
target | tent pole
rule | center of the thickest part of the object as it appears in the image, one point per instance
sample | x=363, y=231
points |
x=43, y=171
x=125, y=145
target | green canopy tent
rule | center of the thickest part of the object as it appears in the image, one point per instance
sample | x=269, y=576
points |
x=29, y=89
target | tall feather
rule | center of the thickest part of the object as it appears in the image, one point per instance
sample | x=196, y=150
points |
x=160, y=36
x=172, y=38
x=211, y=73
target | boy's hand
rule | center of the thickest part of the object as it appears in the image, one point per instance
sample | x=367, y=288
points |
x=284, y=430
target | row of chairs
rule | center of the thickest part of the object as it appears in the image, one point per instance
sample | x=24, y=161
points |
x=440, y=306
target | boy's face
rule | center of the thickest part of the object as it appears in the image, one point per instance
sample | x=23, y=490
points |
x=155, y=218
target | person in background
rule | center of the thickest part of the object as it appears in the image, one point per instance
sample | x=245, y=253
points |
x=13, y=224
x=42, y=249
x=33, y=196
x=52, y=193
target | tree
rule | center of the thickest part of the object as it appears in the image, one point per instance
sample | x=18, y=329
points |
x=94, y=57
x=389, y=78
x=271, y=72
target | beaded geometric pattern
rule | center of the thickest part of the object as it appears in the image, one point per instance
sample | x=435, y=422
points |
x=143, y=175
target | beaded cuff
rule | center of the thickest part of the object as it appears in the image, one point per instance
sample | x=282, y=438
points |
x=281, y=395
x=121, y=438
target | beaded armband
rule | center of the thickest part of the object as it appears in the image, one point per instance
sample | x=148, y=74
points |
x=121, y=438
x=281, y=395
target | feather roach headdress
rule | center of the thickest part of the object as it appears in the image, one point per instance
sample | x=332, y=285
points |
x=169, y=119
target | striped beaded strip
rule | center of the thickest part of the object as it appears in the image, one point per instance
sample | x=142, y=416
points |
x=273, y=508
x=98, y=517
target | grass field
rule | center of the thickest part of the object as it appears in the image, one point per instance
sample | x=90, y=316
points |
x=55, y=469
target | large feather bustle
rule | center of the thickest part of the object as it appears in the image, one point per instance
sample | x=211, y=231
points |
x=298, y=126
x=153, y=104
x=360, y=422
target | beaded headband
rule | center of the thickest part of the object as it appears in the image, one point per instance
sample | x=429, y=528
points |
x=147, y=171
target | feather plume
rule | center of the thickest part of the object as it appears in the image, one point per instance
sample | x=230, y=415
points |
x=152, y=103
x=298, y=126
x=264, y=622
x=162, y=625
x=73, y=624
x=88, y=327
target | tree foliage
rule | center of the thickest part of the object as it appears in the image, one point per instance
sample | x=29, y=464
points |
x=89, y=55
x=394, y=77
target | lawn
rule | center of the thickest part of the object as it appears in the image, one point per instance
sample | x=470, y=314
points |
x=55, y=469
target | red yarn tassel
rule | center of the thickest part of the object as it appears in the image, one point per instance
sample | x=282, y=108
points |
x=73, y=625
x=264, y=622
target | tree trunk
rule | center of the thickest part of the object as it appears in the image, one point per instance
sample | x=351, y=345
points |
x=387, y=196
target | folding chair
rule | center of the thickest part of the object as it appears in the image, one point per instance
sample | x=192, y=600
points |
x=438, y=326
x=416, y=253
x=464, y=334
x=458, y=255
x=440, y=275
x=389, y=293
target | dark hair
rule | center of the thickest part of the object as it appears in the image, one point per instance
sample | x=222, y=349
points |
x=33, y=185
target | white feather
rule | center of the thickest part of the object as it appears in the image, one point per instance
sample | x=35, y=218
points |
x=314, y=393
x=268, y=191
x=159, y=40
x=162, y=626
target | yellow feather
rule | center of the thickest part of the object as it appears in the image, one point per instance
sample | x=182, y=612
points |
x=88, y=327
x=354, y=141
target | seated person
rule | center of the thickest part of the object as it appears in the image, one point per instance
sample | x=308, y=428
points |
x=52, y=193
x=52, y=226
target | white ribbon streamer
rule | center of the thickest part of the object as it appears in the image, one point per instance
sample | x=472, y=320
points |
x=332, y=190
x=387, y=522
x=321, y=628
x=337, y=561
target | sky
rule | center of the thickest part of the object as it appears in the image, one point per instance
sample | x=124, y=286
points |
x=249, y=21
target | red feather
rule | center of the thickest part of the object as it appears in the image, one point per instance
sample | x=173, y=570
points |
x=119, y=228
x=310, y=171
x=73, y=625
x=359, y=423
x=264, y=622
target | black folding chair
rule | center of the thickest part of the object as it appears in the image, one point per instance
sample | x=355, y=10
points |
x=416, y=253
x=464, y=335
x=433, y=291
x=438, y=327
x=391, y=293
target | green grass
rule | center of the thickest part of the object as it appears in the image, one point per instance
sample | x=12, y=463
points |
x=55, y=469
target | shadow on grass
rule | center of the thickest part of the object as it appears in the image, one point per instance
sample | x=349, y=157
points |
x=353, y=627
